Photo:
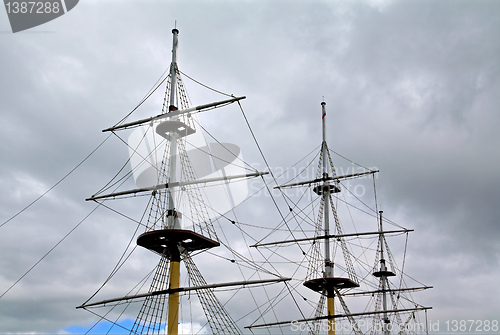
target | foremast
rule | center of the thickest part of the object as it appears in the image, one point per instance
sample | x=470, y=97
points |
x=330, y=294
x=166, y=234
x=172, y=222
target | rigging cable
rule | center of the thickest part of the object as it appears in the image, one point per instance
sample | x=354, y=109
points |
x=120, y=263
x=48, y=252
x=375, y=194
x=250, y=168
x=404, y=260
x=271, y=173
x=256, y=272
x=274, y=200
x=54, y=186
x=210, y=88
x=61, y=180
x=146, y=97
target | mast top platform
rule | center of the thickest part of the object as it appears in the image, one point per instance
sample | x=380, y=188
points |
x=165, y=128
x=329, y=283
x=168, y=240
x=326, y=188
x=384, y=273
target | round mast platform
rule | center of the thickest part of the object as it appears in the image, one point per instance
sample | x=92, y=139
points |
x=165, y=240
x=329, y=283
x=384, y=273
x=326, y=188
x=174, y=126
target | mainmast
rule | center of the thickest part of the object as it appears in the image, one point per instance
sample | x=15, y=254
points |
x=382, y=274
x=326, y=195
x=328, y=285
x=326, y=220
x=327, y=274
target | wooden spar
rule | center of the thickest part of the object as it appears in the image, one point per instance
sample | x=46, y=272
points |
x=175, y=184
x=322, y=237
x=389, y=290
x=330, y=305
x=175, y=257
x=289, y=322
x=174, y=113
x=318, y=180
x=173, y=298
x=185, y=289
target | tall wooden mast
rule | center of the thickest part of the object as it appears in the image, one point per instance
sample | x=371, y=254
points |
x=172, y=221
x=328, y=285
x=326, y=220
x=180, y=221
x=330, y=275
x=383, y=274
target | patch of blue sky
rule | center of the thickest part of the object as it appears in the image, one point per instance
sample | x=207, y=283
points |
x=105, y=327
x=124, y=327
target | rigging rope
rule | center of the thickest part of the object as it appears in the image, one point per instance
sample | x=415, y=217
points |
x=53, y=186
x=146, y=97
x=250, y=168
x=210, y=88
x=270, y=193
x=120, y=263
x=271, y=173
x=48, y=252
x=60, y=181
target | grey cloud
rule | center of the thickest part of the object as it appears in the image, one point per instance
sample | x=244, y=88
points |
x=411, y=87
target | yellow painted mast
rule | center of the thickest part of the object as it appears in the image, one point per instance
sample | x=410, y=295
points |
x=331, y=311
x=173, y=298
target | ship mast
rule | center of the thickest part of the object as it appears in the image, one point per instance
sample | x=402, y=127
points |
x=177, y=187
x=328, y=285
x=326, y=220
x=382, y=274
x=320, y=273
x=171, y=223
x=175, y=259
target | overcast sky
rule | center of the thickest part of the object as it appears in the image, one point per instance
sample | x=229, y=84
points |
x=411, y=88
